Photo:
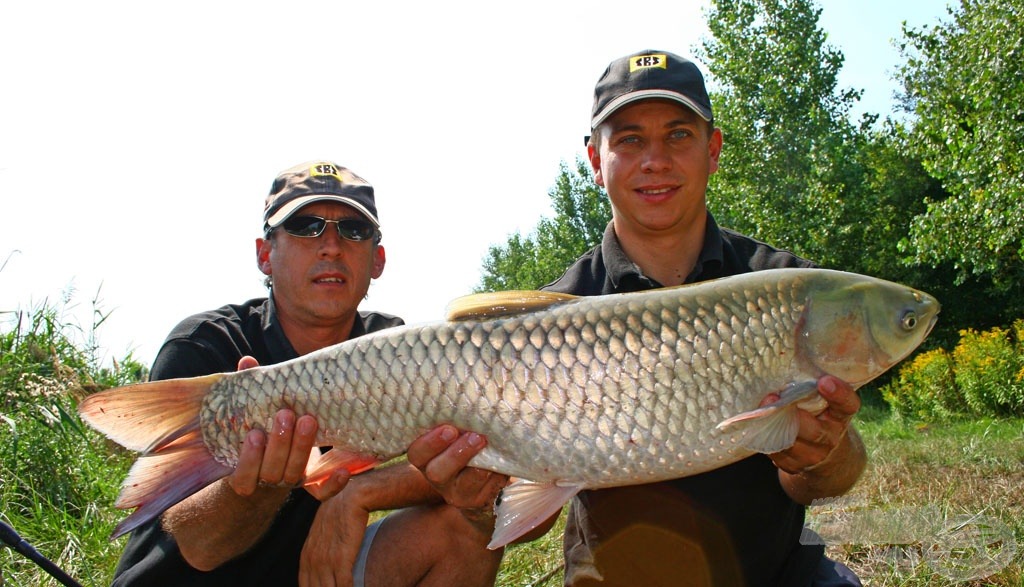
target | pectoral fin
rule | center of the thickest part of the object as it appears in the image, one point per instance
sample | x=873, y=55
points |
x=774, y=427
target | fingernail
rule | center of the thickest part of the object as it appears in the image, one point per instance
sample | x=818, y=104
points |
x=282, y=422
x=256, y=438
x=828, y=386
x=448, y=433
x=306, y=426
x=475, y=439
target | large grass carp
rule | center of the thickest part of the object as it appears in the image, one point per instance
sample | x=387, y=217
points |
x=572, y=392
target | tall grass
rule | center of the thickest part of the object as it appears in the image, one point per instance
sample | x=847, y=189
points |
x=57, y=477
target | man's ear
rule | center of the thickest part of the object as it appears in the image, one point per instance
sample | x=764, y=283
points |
x=595, y=163
x=714, y=150
x=263, y=247
x=379, y=259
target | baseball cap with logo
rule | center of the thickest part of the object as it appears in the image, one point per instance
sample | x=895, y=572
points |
x=650, y=74
x=317, y=181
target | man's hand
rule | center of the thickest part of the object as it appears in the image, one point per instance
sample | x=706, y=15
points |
x=442, y=455
x=224, y=519
x=828, y=455
x=280, y=458
x=820, y=433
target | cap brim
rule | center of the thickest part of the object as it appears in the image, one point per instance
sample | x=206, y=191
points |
x=648, y=95
x=291, y=207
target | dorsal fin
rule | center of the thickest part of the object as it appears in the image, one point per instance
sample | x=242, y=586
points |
x=499, y=304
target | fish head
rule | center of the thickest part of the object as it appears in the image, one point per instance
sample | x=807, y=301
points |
x=856, y=327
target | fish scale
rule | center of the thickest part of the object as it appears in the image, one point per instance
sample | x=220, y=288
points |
x=518, y=379
x=572, y=393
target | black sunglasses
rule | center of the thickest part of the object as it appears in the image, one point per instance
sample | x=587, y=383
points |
x=353, y=229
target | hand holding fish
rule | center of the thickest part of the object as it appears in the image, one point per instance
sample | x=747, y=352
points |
x=442, y=455
x=281, y=457
x=827, y=457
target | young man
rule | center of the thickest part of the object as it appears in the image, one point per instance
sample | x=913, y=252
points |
x=320, y=249
x=653, y=146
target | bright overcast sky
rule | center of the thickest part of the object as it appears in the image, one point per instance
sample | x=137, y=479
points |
x=139, y=139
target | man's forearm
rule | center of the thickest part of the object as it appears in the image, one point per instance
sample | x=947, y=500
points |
x=832, y=477
x=216, y=524
x=392, y=487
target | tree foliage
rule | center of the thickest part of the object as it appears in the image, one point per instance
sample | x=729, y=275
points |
x=964, y=82
x=582, y=212
x=788, y=154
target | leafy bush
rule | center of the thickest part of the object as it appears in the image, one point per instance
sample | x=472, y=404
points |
x=925, y=388
x=983, y=376
x=989, y=368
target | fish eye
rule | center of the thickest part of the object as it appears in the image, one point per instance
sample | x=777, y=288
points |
x=909, y=320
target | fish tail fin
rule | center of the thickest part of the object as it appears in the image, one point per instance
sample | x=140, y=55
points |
x=159, y=480
x=774, y=427
x=160, y=419
x=147, y=417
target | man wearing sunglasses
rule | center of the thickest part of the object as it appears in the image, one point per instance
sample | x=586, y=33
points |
x=319, y=251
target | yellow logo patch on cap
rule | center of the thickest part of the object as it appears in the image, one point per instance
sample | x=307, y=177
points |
x=325, y=169
x=647, y=62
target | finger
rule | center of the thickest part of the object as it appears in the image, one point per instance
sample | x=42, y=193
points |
x=247, y=362
x=428, y=446
x=303, y=440
x=247, y=473
x=843, y=401
x=279, y=445
x=816, y=431
x=331, y=486
x=443, y=468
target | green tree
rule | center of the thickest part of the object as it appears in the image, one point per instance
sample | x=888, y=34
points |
x=582, y=212
x=964, y=83
x=789, y=151
x=797, y=172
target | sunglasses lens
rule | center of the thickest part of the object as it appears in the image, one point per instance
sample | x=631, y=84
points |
x=306, y=226
x=352, y=229
x=355, y=230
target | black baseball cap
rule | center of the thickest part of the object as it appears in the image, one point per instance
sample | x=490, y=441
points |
x=650, y=74
x=317, y=181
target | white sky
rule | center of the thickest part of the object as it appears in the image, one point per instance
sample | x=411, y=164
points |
x=139, y=139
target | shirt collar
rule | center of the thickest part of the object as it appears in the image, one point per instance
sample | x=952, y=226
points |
x=277, y=343
x=625, y=275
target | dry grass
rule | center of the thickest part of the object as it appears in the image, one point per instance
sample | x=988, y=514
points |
x=943, y=503
x=939, y=505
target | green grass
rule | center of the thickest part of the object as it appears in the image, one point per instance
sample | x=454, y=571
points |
x=941, y=484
